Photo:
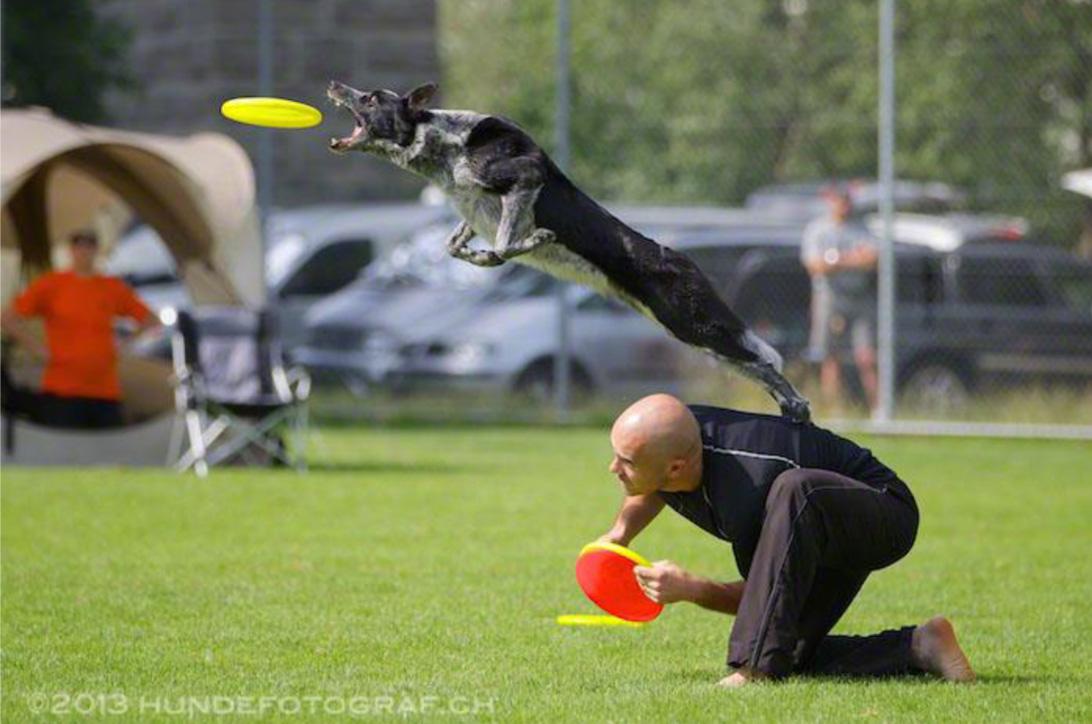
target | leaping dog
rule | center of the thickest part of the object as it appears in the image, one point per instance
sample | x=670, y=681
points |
x=514, y=197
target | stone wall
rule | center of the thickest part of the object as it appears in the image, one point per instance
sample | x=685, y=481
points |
x=189, y=55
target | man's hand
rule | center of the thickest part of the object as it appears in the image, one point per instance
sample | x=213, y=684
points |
x=12, y=323
x=664, y=582
x=613, y=537
x=38, y=350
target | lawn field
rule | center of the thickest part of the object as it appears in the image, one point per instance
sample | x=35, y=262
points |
x=419, y=570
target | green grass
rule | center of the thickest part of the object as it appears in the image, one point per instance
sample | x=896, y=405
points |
x=432, y=562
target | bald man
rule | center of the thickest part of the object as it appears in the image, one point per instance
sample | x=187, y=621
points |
x=809, y=515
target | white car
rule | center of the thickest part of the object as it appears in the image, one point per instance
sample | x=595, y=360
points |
x=311, y=252
x=498, y=330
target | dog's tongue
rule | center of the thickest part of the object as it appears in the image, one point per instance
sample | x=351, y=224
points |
x=339, y=144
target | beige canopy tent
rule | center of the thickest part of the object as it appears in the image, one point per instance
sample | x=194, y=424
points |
x=197, y=192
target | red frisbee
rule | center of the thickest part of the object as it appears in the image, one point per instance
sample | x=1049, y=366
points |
x=605, y=574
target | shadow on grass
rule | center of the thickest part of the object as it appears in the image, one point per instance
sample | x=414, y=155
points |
x=704, y=675
x=381, y=466
x=707, y=675
x=989, y=679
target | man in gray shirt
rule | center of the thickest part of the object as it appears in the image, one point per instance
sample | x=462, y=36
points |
x=840, y=256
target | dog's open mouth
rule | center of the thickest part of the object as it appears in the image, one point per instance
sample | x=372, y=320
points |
x=360, y=130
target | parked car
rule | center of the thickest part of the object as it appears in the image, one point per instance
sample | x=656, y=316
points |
x=987, y=312
x=319, y=250
x=500, y=334
x=509, y=343
x=352, y=336
x=804, y=201
x=312, y=252
x=947, y=232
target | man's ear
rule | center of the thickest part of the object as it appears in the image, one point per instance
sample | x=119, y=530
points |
x=418, y=98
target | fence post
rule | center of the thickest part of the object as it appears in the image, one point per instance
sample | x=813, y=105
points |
x=266, y=168
x=561, y=369
x=886, y=287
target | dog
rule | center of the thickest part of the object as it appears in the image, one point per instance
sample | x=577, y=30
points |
x=513, y=196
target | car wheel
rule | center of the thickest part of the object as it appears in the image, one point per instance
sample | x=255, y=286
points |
x=936, y=388
x=537, y=381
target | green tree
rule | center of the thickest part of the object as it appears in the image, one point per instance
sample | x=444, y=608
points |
x=62, y=55
x=704, y=101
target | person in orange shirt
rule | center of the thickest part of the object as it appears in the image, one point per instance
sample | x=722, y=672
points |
x=80, y=384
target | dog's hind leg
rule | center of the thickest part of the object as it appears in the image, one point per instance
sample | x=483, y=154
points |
x=683, y=300
x=517, y=213
x=766, y=370
x=519, y=181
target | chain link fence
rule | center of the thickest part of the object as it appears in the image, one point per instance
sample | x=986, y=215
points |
x=730, y=132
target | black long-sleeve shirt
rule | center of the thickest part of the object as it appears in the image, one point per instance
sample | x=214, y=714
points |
x=743, y=452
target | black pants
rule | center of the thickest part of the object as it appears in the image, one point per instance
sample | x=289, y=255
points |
x=77, y=412
x=822, y=535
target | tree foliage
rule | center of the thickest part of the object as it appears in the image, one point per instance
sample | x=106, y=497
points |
x=703, y=100
x=60, y=54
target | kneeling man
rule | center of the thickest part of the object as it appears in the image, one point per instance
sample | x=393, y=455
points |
x=809, y=515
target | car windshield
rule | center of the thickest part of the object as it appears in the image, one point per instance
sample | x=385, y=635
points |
x=424, y=261
x=285, y=251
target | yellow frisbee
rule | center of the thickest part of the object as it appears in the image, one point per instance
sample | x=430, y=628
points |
x=271, y=112
x=592, y=619
x=615, y=548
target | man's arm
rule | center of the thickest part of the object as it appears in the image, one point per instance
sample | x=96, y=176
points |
x=862, y=256
x=811, y=251
x=636, y=513
x=149, y=322
x=130, y=305
x=666, y=582
x=11, y=322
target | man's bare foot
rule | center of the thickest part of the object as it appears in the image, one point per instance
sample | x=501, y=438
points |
x=934, y=648
x=741, y=677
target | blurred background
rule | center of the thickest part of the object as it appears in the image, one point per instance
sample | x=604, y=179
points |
x=717, y=128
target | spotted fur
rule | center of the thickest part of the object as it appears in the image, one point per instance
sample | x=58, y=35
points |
x=513, y=197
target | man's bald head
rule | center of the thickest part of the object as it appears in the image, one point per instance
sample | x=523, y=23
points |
x=655, y=440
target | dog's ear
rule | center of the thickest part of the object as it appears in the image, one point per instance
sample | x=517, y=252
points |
x=418, y=98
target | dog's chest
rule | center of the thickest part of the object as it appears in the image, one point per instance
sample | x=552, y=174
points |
x=483, y=211
x=480, y=209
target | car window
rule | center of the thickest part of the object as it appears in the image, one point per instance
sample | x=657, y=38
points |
x=1075, y=289
x=919, y=280
x=999, y=281
x=719, y=264
x=330, y=268
x=778, y=294
x=281, y=257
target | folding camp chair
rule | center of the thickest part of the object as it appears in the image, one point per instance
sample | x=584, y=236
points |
x=234, y=394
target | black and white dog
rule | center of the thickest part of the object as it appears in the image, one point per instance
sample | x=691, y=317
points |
x=513, y=196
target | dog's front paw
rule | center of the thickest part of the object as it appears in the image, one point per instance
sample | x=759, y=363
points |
x=484, y=258
x=534, y=240
x=477, y=257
